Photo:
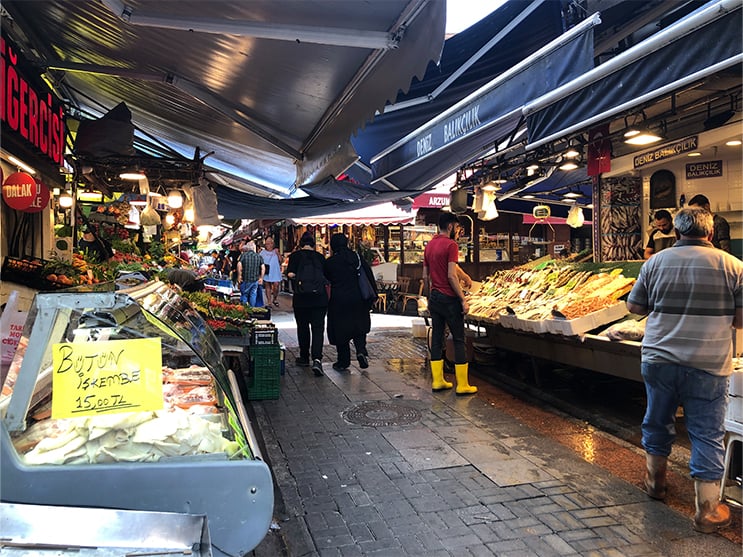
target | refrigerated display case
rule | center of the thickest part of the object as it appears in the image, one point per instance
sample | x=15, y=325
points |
x=121, y=400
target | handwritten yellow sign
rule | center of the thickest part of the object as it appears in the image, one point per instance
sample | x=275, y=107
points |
x=93, y=378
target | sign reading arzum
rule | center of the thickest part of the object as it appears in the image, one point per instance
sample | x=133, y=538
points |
x=106, y=377
x=666, y=151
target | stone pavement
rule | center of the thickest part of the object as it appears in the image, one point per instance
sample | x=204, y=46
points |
x=371, y=462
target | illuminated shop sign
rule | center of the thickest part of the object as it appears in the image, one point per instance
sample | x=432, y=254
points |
x=28, y=106
x=704, y=169
x=667, y=151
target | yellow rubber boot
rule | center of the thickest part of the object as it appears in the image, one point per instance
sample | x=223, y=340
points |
x=437, y=372
x=463, y=387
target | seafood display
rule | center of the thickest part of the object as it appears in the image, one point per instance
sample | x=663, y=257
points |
x=549, y=293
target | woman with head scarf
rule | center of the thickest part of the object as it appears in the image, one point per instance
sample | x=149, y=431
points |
x=348, y=314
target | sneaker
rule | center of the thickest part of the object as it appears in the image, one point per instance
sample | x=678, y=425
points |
x=317, y=367
x=338, y=367
x=363, y=360
x=304, y=362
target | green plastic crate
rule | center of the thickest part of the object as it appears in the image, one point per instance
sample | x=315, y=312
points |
x=264, y=371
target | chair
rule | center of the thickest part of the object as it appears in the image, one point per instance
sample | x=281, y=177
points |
x=406, y=296
x=380, y=304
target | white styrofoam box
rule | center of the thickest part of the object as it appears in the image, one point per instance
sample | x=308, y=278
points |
x=735, y=387
x=571, y=327
x=507, y=320
x=419, y=328
x=735, y=409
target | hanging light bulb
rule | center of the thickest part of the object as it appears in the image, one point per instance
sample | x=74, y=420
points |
x=65, y=200
x=188, y=214
x=175, y=199
x=170, y=219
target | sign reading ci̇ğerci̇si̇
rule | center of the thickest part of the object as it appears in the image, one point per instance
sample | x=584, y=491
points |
x=94, y=378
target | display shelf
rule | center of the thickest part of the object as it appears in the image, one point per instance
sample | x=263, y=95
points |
x=221, y=475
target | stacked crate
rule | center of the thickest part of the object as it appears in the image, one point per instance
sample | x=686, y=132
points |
x=266, y=358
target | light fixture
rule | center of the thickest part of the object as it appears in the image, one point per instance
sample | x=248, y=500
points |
x=640, y=136
x=65, y=200
x=20, y=164
x=571, y=153
x=694, y=154
x=568, y=165
x=90, y=196
x=175, y=199
x=589, y=206
x=490, y=186
x=532, y=169
x=733, y=142
x=528, y=196
x=571, y=194
x=170, y=219
x=189, y=215
x=132, y=176
x=55, y=192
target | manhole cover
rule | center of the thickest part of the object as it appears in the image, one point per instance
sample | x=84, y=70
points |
x=378, y=413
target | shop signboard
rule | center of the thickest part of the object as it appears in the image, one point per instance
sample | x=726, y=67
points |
x=431, y=201
x=667, y=151
x=41, y=199
x=29, y=110
x=19, y=191
x=703, y=169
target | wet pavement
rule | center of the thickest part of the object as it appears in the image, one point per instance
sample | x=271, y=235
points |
x=371, y=462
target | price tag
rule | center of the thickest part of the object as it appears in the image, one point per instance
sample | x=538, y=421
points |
x=93, y=378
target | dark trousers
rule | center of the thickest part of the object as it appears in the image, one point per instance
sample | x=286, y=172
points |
x=446, y=311
x=344, y=350
x=310, y=331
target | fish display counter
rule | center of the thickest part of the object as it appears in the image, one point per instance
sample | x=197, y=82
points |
x=570, y=313
x=121, y=400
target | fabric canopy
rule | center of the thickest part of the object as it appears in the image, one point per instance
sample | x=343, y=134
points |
x=708, y=40
x=384, y=213
x=473, y=126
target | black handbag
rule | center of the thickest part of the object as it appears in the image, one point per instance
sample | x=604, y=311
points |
x=367, y=290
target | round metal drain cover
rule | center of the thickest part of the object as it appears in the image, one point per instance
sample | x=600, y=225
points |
x=378, y=413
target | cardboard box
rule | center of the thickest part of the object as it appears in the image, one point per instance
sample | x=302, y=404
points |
x=419, y=328
x=572, y=327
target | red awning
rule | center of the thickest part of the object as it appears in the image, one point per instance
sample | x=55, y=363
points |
x=431, y=201
x=384, y=213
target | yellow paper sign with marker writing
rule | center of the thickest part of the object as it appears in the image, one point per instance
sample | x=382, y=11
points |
x=95, y=378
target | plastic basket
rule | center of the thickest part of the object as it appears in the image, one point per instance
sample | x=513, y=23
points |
x=264, y=367
x=260, y=335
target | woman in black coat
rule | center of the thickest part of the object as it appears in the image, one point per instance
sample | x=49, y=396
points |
x=348, y=314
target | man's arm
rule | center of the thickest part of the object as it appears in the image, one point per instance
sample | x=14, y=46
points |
x=738, y=319
x=464, y=277
x=453, y=277
x=637, y=309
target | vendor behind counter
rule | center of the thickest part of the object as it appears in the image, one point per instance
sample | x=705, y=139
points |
x=188, y=280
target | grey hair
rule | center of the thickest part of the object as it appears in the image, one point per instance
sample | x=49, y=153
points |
x=694, y=222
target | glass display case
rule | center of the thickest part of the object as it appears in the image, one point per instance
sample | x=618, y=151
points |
x=121, y=400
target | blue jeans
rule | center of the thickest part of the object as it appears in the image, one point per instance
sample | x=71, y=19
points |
x=704, y=399
x=249, y=294
x=446, y=311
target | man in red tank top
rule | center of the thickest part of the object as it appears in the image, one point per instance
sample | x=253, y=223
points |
x=446, y=303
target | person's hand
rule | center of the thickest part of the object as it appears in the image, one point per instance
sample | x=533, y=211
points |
x=465, y=307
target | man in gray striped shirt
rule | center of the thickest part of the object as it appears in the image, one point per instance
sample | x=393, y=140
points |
x=692, y=293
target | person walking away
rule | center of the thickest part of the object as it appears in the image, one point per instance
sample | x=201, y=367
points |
x=689, y=291
x=446, y=303
x=349, y=316
x=309, y=301
x=721, y=236
x=250, y=271
x=272, y=280
x=662, y=236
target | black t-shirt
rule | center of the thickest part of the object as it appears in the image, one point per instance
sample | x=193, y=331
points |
x=96, y=247
x=296, y=260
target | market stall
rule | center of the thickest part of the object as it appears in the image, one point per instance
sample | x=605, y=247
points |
x=554, y=310
x=121, y=400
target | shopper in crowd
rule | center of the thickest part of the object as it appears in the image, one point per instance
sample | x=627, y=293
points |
x=309, y=300
x=691, y=291
x=250, y=270
x=272, y=280
x=662, y=236
x=349, y=317
x=222, y=264
x=94, y=246
x=187, y=279
x=721, y=236
x=446, y=303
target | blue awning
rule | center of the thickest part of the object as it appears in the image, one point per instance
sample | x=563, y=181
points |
x=703, y=43
x=472, y=127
